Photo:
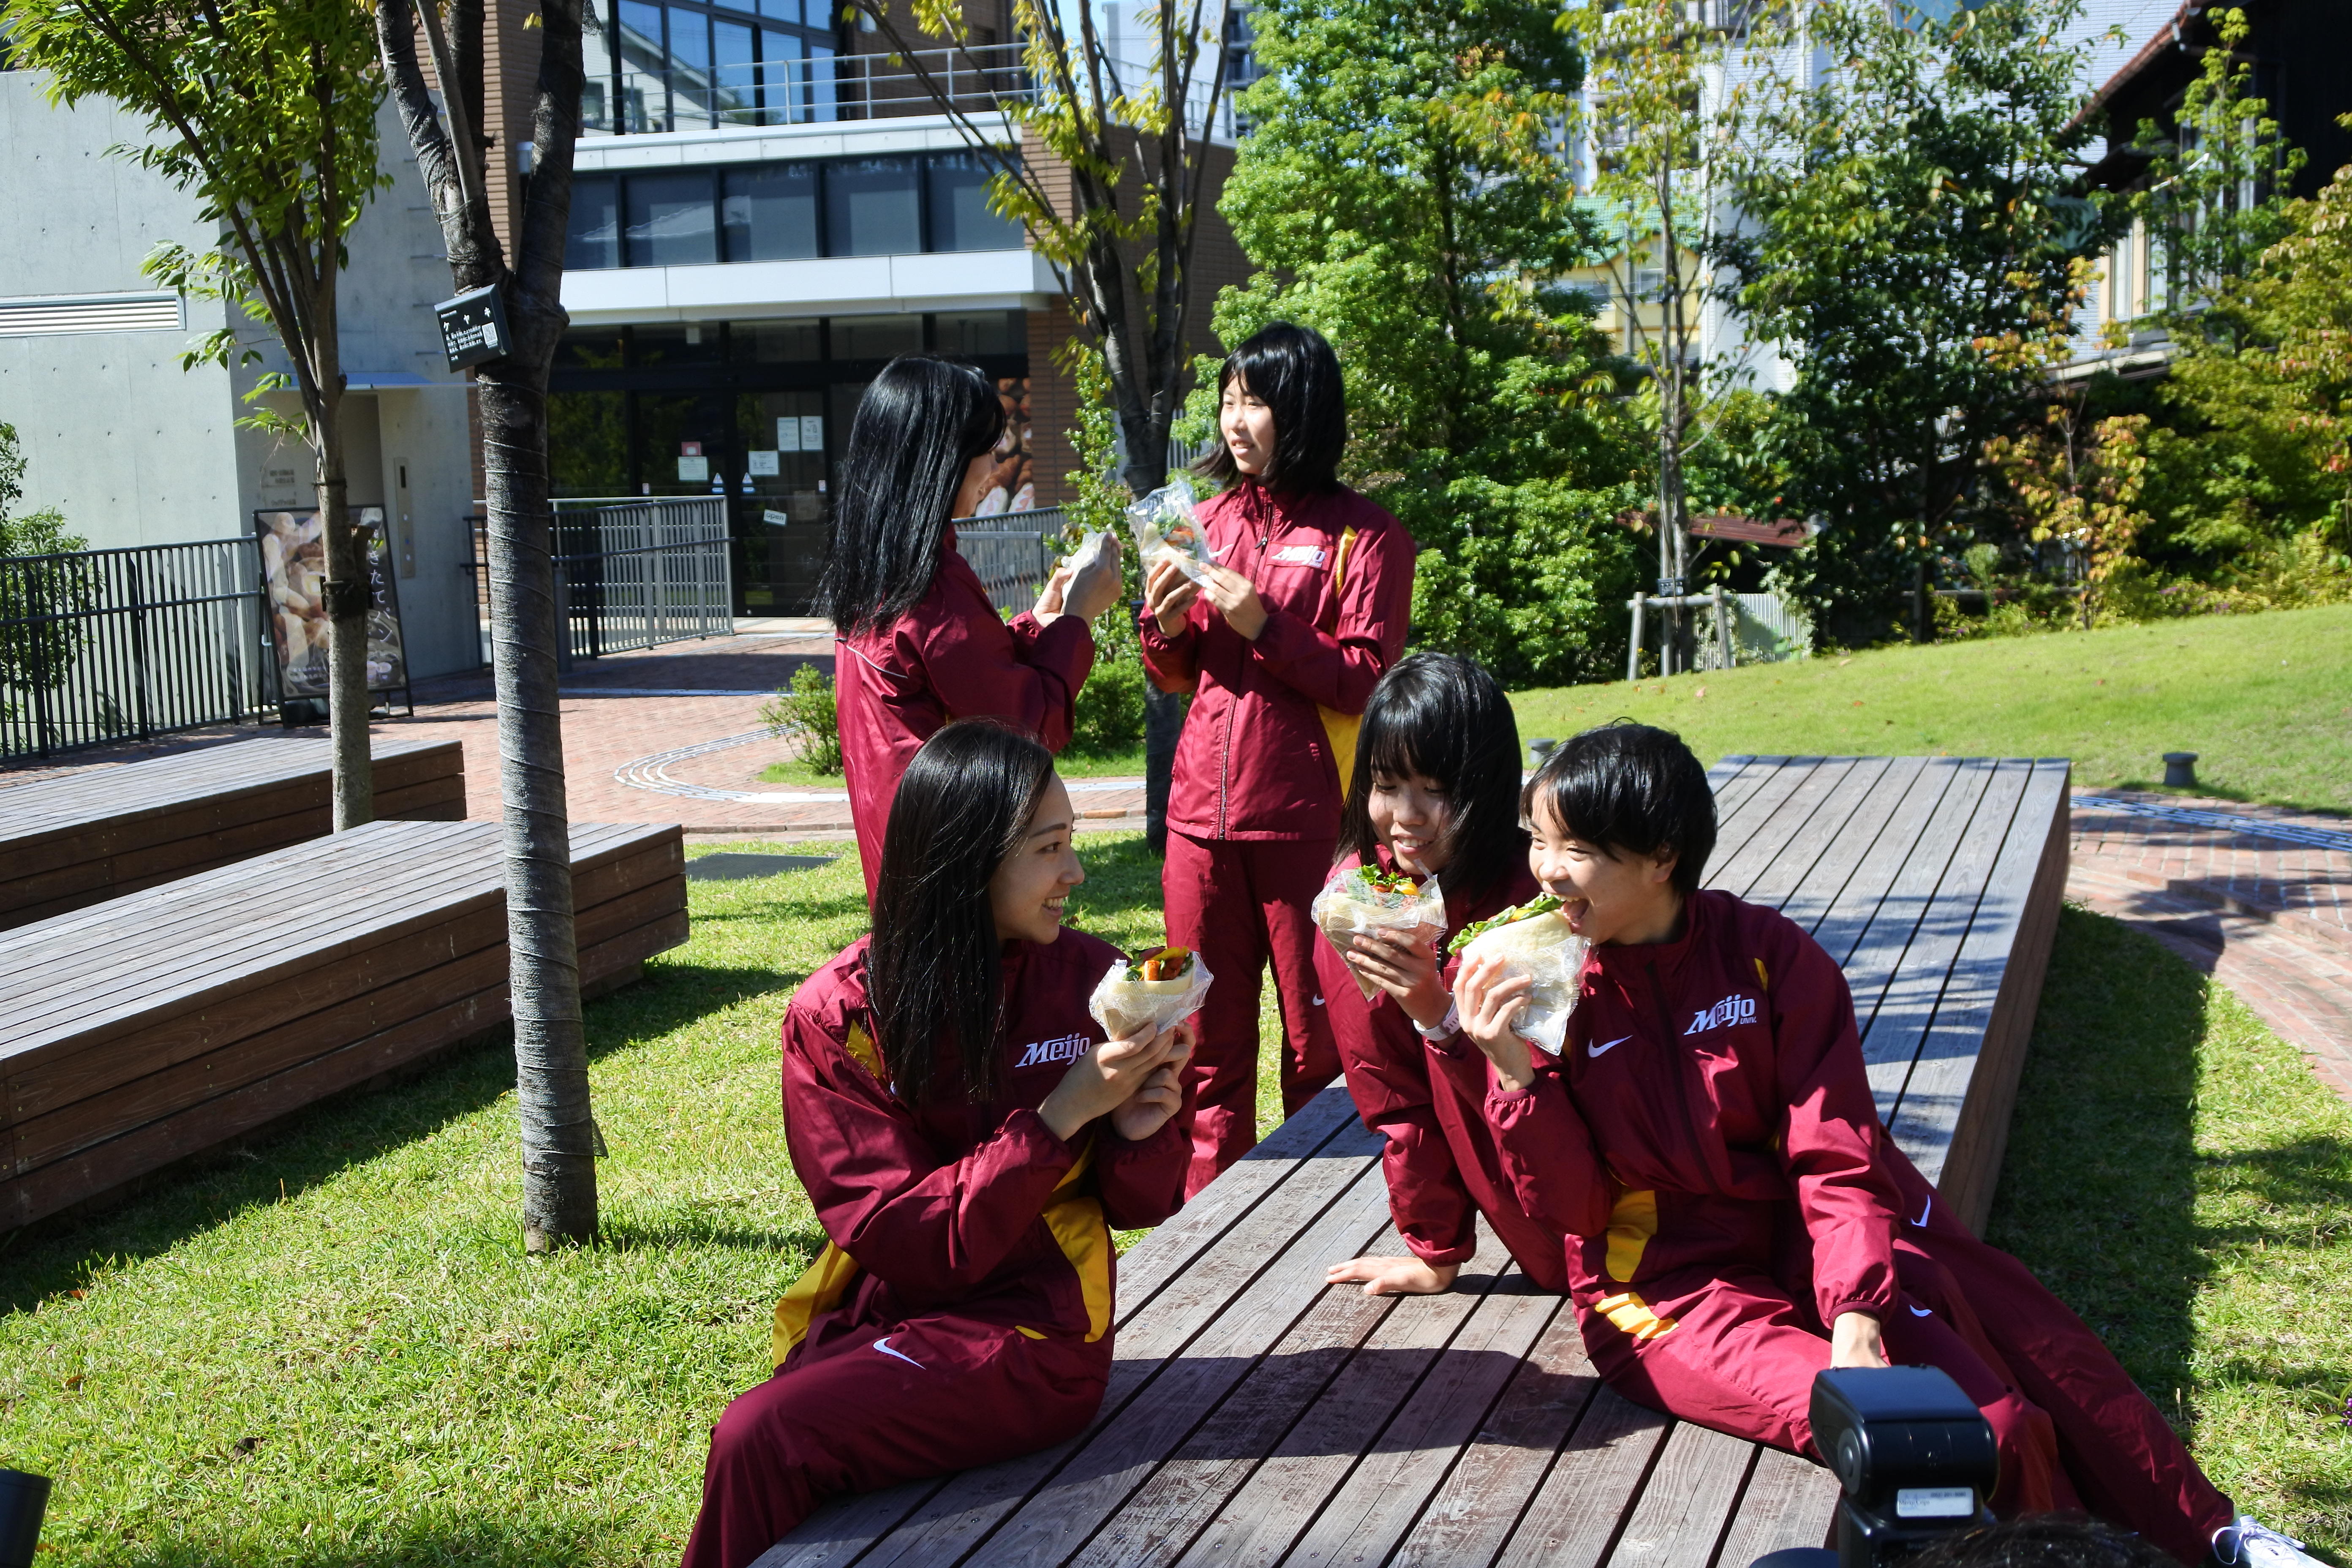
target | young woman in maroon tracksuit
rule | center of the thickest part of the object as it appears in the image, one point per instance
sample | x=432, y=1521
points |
x=968, y=1137
x=1305, y=609
x=917, y=643
x=1745, y=1220
x=1435, y=793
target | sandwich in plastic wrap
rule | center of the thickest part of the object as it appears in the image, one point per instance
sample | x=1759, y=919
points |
x=1163, y=525
x=1150, y=994
x=1533, y=940
x=1364, y=898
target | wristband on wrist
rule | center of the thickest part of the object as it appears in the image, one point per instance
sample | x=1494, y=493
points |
x=1445, y=1027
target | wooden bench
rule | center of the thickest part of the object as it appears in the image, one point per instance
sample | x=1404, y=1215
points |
x=164, y=1022
x=1257, y=1417
x=75, y=840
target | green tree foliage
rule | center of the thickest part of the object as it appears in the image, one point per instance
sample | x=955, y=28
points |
x=1401, y=191
x=35, y=652
x=807, y=712
x=1911, y=235
x=41, y=532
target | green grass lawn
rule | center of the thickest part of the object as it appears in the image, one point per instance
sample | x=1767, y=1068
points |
x=1116, y=764
x=2265, y=701
x=328, y=1349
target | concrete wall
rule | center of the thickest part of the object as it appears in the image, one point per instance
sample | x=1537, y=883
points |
x=136, y=451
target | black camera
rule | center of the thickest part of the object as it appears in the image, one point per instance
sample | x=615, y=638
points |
x=1914, y=1457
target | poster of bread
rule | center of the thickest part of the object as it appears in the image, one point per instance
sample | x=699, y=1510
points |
x=293, y=585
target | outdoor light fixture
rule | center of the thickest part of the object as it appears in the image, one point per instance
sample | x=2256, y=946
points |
x=2180, y=770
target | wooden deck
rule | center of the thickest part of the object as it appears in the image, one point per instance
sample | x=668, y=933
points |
x=1256, y=1416
x=83, y=838
x=160, y=1024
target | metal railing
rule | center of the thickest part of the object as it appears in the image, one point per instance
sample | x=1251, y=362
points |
x=1012, y=551
x=102, y=646
x=825, y=87
x=632, y=573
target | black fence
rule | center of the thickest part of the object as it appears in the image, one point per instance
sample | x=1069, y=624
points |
x=632, y=573
x=1012, y=553
x=120, y=645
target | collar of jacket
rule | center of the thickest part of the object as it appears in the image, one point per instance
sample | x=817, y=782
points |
x=1268, y=510
x=1622, y=965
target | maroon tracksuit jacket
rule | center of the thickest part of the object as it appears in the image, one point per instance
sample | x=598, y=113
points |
x=1254, y=808
x=1712, y=1094
x=1427, y=1099
x=951, y=656
x=962, y=1313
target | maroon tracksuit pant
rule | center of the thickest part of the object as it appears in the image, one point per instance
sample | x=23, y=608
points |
x=873, y=1407
x=1238, y=903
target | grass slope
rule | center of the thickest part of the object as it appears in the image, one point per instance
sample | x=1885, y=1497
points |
x=2178, y=1177
x=2264, y=700
x=1111, y=765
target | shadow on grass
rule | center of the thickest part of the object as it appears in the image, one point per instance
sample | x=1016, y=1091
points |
x=639, y=1232
x=520, y=1541
x=320, y=1142
x=2206, y=789
x=2098, y=1189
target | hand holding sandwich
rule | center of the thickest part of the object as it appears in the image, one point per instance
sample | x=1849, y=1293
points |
x=1491, y=1000
x=1138, y=1082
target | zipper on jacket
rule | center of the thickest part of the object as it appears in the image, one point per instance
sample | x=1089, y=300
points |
x=1673, y=1057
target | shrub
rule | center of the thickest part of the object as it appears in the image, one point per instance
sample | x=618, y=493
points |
x=1109, y=709
x=805, y=711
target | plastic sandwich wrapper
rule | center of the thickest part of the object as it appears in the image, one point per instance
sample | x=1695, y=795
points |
x=1124, y=1003
x=1163, y=525
x=1539, y=944
x=1354, y=901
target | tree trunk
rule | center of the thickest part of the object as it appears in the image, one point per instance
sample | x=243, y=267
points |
x=559, y=1136
x=1163, y=712
x=349, y=588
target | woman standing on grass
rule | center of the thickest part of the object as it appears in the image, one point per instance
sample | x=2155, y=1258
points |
x=918, y=644
x=968, y=1137
x=1305, y=608
x=1435, y=793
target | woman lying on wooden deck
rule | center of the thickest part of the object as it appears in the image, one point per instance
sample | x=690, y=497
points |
x=968, y=1134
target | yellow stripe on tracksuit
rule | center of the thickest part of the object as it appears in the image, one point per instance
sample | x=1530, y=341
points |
x=1075, y=1219
x=1338, y=728
x=1631, y=1223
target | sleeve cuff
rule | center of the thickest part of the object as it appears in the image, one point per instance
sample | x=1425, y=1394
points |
x=1830, y=1314
x=1028, y=1129
x=1440, y=1257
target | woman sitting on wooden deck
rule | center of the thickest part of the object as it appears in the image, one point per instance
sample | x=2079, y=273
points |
x=968, y=1135
x=1739, y=1219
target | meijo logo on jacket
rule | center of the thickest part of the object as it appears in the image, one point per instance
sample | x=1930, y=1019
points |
x=1040, y=1053
x=1301, y=556
x=1733, y=1009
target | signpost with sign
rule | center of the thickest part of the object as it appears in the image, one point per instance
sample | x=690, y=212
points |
x=474, y=328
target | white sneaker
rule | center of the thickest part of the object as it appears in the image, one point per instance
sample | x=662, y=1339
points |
x=2246, y=1543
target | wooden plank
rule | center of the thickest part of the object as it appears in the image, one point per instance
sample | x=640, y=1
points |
x=1575, y=1515
x=1732, y=777
x=1758, y=804
x=1789, y=1501
x=1954, y=1112
x=1824, y=828
x=1826, y=879
x=1476, y=1508
x=1753, y=850
x=949, y=1517
x=1321, y=1444
x=1686, y=1503
x=1371, y=1511
x=1896, y=1020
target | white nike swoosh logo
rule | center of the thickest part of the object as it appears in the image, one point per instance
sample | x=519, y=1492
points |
x=1318, y=1001
x=1924, y=1207
x=1597, y=1048
x=1921, y=1313
x=883, y=1344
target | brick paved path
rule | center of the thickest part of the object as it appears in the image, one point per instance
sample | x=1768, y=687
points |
x=2270, y=918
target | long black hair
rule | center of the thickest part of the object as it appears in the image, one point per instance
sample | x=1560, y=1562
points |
x=919, y=426
x=1633, y=787
x=1445, y=717
x=934, y=970
x=1291, y=370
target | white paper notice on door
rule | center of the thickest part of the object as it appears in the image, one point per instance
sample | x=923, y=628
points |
x=811, y=431
x=788, y=434
x=763, y=465
x=694, y=470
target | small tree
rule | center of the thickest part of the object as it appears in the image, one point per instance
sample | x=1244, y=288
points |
x=2079, y=480
x=559, y=1133
x=265, y=109
x=1907, y=209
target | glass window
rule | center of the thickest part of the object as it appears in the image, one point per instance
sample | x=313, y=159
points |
x=783, y=79
x=959, y=216
x=645, y=67
x=734, y=90
x=691, y=98
x=589, y=347
x=672, y=220
x=770, y=211
x=876, y=337
x=587, y=443
x=667, y=345
x=595, y=240
x=787, y=11
x=982, y=332
x=871, y=207
x=821, y=102
x=775, y=342
x=596, y=39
